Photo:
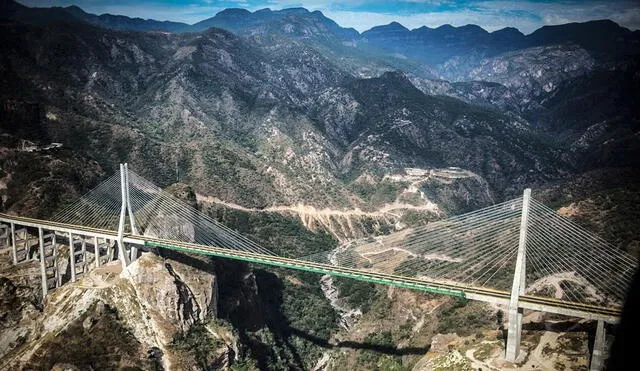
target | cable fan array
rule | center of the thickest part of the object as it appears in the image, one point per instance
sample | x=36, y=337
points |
x=478, y=248
x=157, y=214
x=99, y=208
x=563, y=260
x=577, y=264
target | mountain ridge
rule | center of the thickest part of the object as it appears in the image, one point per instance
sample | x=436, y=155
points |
x=578, y=32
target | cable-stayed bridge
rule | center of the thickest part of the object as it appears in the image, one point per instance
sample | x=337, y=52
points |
x=519, y=254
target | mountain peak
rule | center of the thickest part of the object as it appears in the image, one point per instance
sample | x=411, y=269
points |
x=445, y=26
x=508, y=30
x=234, y=12
x=397, y=25
x=392, y=27
x=472, y=28
x=298, y=10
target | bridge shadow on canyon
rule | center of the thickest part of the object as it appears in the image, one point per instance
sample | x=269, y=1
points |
x=253, y=300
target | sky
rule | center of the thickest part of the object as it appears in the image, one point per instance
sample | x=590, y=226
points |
x=526, y=15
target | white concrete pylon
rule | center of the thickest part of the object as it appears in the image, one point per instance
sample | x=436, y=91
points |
x=122, y=253
x=519, y=284
x=132, y=220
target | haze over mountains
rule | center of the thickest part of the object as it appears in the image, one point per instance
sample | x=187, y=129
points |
x=605, y=39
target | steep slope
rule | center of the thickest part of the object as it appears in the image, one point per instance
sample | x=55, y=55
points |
x=527, y=72
x=110, y=319
x=220, y=111
x=396, y=125
x=286, y=144
x=597, y=117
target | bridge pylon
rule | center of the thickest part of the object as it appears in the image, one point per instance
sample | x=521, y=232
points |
x=125, y=256
x=514, y=331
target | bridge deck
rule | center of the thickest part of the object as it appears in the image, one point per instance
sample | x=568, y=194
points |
x=550, y=305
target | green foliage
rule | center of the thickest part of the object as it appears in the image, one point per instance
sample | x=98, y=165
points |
x=371, y=357
x=291, y=323
x=284, y=235
x=308, y=310
x=378, y=194
x=357, y=294
x=390, y=363
x=463, y=317
x=381, y=307
x=405, y=330
x=415, y=217
x=199, y=343
x=243, y=365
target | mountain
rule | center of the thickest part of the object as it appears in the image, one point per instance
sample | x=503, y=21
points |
x=452, y=51
x=252, y=103
x=604, y=39
x=446, y=52
x=436, y=46
x=11, y=10
x=120, y=22
x=603, y=132
x=293, y=22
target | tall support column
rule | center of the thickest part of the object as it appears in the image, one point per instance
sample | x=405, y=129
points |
x=56, y=267
x=84, y=255
x=124, y=258
x=597, y=358
x=96, y=251
x=519, y=285
x=72, y=258
x=43, y=267
x=109, y=250
x=14, y=253
x=132, y=221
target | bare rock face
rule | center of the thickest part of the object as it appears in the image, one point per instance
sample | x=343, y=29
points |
x=17, y=308
x=176, y=294
x=131, y=313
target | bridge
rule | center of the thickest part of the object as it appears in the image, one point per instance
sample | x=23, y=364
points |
x=518, y=254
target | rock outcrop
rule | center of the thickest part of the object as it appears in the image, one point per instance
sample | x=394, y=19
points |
x=142, y=307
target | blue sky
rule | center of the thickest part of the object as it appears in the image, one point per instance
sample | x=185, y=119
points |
x=526, y=15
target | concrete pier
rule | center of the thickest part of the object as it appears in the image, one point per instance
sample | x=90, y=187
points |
x=43, y=268
x=599, y=346
x=72, y=257
x=96, y=251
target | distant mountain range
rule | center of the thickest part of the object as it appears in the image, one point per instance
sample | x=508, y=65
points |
x=604, y=39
